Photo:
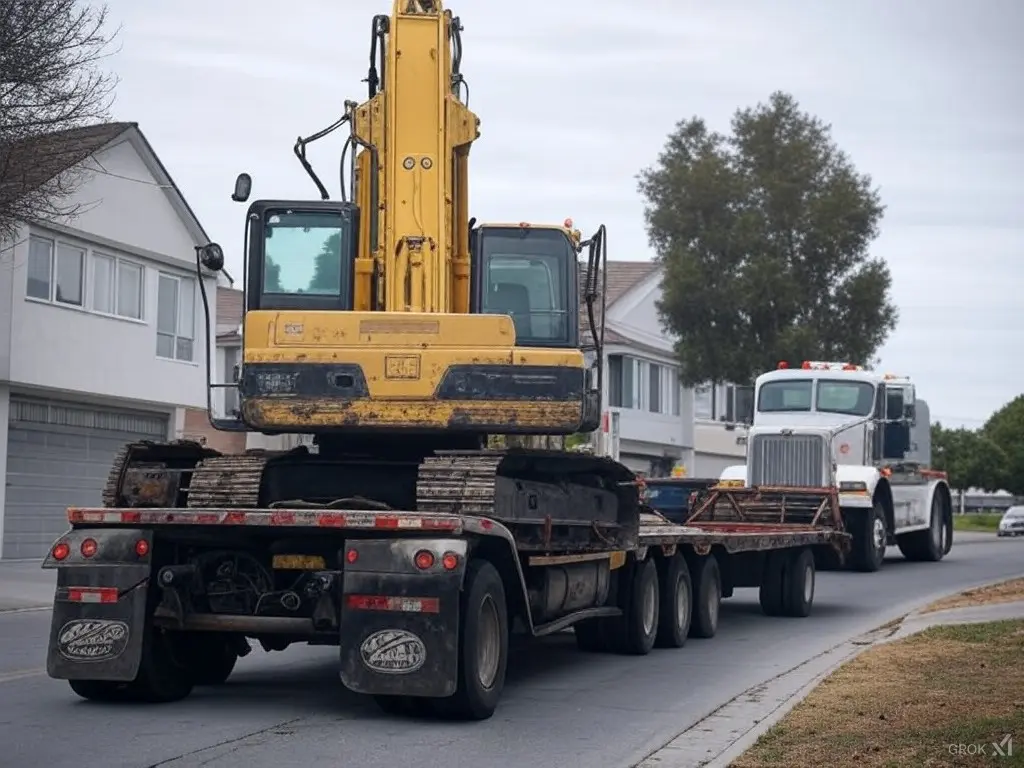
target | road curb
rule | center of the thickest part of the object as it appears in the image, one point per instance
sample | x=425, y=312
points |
x=700, y=747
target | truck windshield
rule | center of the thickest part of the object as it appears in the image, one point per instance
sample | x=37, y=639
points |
x=303, y=252
x=526, y=276
x=852, y=398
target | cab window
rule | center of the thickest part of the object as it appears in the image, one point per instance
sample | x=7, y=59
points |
x=525, y=276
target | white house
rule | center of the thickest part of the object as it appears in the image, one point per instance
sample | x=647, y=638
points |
x=101, y=327
x=659, y=423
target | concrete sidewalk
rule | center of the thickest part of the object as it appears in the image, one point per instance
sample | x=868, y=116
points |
x=24, y=585
x=727, y=733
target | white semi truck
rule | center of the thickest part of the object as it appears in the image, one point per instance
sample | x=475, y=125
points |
x=859, y=435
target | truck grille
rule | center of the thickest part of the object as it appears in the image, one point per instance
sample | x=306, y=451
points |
x=794, y=460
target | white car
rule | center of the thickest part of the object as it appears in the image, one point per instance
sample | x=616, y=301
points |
x=1012, y=523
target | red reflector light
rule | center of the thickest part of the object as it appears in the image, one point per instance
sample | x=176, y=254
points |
x=141, y=547
x=89, y=547
x=351, y=556
x=60, y=551
x=424, y=559
x=92, y=594
x=783, y=365
x=399, y=604
x=450, y=561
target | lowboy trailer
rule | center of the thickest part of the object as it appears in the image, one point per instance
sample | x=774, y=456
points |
x=153, y=601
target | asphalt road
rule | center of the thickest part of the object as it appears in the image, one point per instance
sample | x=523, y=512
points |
x=561, y=709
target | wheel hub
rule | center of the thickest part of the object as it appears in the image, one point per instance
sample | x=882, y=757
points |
x=682, y=604
x=878, y=535
x=648, y=609
x=488, y=647
x=808, y=583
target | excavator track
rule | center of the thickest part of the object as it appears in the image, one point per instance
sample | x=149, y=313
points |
x=148, y=474
x=458, y=482
x=228, y=482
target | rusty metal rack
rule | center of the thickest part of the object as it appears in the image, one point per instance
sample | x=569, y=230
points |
x=779, y=505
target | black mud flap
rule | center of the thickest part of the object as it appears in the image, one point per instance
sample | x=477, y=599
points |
x=99, y=610
x=399, y=622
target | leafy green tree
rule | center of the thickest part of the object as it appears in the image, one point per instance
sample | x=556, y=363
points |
x=763, y=236
x=971, y=458
x=1005, y=428
x=327, y=271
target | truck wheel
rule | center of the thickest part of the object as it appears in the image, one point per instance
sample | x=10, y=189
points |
x=641, y=620
x=675, y=611
x=101, y=690
x=707, y=591
x=929, y=545
x=210, y=658
x=798, y=584
x=162, y=677
x=483, y=646
x=772, y=583
x=869, y=540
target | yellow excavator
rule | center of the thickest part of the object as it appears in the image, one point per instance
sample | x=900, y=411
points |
x=390, y=325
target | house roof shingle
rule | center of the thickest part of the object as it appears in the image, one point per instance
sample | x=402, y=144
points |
x=620, y=277
x=32, y=162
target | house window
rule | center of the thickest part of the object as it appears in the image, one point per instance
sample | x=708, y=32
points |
x=59, y=279
x=621, y=375
x=674, y=391
x=70, y=277
x=703, y=403
x=69, y=274
x=40, y=268
x=654, y=400
x=176, y=318
x=116, y=286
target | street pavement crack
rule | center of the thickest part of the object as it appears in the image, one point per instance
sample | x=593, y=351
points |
x=226, y=742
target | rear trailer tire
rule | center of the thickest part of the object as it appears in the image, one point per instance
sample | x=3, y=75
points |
x=210, y=658
x=675, y=611
x=638, y=627
x=102, y=690
x=798, y=584
x=869, y=540
x=483, y=646
x=772, y=583
x=163, y=677
x=707, y=592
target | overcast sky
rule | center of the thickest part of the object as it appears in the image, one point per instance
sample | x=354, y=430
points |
x=927, y=96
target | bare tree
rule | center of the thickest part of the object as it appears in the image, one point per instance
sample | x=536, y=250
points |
x=50, y=81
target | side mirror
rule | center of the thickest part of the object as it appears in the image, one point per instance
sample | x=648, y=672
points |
x=243, y=188
x=211, y=256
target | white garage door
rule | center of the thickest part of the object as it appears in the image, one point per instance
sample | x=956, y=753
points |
x=58, y=456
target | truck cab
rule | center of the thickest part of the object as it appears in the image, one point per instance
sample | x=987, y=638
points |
x=834, y=425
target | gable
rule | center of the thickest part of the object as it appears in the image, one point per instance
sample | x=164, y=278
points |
x=121, y=198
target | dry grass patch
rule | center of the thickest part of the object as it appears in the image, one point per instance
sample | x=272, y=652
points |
x=1006, y=592
x=904, y=703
